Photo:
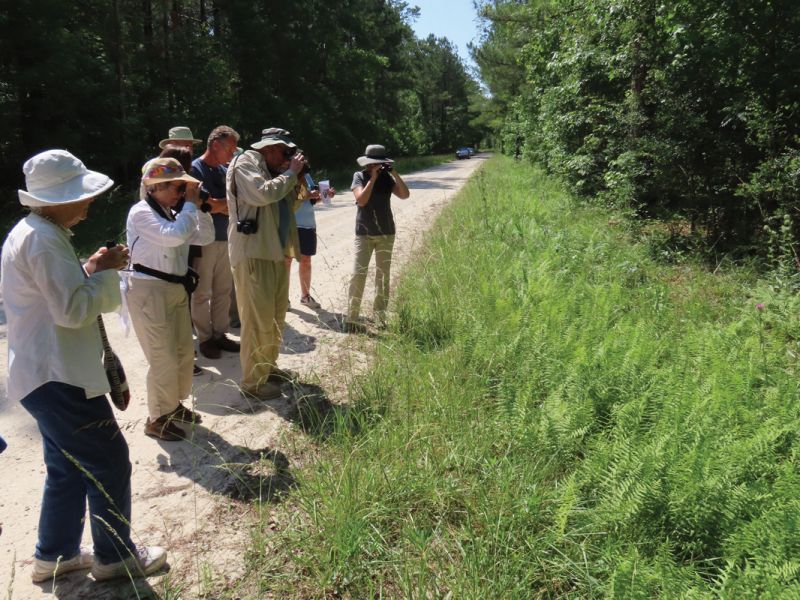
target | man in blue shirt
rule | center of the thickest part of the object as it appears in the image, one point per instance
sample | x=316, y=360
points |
x=211, y=301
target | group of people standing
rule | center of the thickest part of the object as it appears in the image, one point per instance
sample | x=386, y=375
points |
x=199, y=228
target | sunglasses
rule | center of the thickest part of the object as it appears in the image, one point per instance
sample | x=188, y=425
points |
x=289, y=152
x=180, y=188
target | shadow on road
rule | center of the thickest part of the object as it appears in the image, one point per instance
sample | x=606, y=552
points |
x=237, y=472
x=79, y=586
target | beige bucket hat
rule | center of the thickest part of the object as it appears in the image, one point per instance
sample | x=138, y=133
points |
x=375, y=153
x=179, y=134
x=57, y=177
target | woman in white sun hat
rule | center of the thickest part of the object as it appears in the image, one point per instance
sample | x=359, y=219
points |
x=160, y=228
x=55, y=370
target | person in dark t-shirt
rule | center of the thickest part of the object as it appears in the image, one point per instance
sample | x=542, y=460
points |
x=211, y=300
x=373, y=188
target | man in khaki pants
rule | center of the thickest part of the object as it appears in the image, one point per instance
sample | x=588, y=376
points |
x=211, y=301
x=261, y=191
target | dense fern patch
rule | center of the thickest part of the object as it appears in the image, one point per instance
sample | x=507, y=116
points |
x=554, y=414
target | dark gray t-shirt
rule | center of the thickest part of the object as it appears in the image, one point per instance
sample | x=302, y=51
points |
x=213, y=181
x=376, y=217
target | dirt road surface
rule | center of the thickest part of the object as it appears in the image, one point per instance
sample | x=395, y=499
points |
x=193, y=497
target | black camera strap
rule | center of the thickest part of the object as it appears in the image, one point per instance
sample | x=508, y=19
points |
x=232, y=168
x=188, y=281
x=160, y=210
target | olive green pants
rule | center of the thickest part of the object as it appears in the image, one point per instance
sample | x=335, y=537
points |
x=262, y=291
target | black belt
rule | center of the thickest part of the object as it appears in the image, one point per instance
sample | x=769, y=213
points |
x=188, y=281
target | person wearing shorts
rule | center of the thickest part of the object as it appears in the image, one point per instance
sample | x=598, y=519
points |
x=307, y=234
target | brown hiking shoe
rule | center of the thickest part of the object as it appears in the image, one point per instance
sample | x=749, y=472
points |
x=225, y=343
x=182, y=414
x=164, y=429
x=266, y=391
x=209, y=349
x=280, y=376
x=354, y=327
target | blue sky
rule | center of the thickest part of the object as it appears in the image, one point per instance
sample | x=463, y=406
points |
x=453, y=19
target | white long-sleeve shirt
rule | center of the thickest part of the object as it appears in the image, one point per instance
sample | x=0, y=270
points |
x=51, y=309
x=162, y=244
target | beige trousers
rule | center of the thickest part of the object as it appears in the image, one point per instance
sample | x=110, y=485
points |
x=262, y=291
x=160, y=315
x=211, y=301
x=365, y=245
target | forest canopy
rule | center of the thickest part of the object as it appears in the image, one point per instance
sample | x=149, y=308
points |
x=106, y=79
x=684, y=110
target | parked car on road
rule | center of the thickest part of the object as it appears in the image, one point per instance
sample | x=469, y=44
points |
x=463, y=153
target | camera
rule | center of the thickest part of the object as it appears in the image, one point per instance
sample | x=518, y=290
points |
x=247, y=226
x=386, y=168
x=204, y=195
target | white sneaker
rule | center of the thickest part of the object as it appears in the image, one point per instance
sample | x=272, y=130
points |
x=45, y=570
x=308, y=300
x=145, y=562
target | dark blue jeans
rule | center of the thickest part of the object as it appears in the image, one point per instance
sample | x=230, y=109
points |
x=86, y=456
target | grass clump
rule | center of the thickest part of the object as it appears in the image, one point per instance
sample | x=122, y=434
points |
x=556, y=415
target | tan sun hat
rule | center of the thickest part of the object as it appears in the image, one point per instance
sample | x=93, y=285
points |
x=375, y=153
x=179, y=134
x=57, y=177
x=161, y=170
x=272, y=136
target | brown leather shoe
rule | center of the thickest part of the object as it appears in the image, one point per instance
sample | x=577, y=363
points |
x=182, y=414
x=266, y=391
x=225, y=343
x=209, y=349
x=164, y=429
x=354, y=327
x=280, y=376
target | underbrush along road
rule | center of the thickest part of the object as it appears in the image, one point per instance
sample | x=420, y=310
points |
x=190, y=496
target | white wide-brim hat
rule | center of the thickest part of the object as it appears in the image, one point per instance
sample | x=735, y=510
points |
x=375, y=153
x=57, y=177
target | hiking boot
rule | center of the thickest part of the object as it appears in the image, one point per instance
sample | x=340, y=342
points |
x=354, y=327
x=225, y=343
x=266, y=391
x=182, y=414
x=144, y=562
x=209, y=349
x=308, y=300
x=164, y=429
x=45, y=570
x=279, y=375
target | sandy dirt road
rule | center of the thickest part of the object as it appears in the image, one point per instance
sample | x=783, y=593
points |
x=193, y=497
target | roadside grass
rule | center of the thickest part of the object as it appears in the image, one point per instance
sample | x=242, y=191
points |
x=554, y=414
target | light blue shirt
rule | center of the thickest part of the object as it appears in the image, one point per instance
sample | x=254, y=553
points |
x=305, y=216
